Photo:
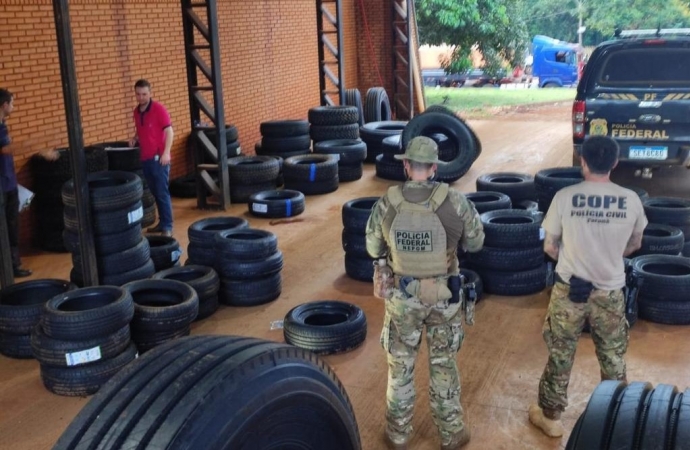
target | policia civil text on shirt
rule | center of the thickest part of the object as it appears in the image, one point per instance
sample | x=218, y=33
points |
x=590, y=227
x=417, y=228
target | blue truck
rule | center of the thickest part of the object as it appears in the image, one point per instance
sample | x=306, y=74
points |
x=555, y=62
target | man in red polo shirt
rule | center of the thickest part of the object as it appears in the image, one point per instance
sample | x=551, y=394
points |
x=155, y=135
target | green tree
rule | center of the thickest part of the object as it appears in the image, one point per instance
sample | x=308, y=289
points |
x=494, y=27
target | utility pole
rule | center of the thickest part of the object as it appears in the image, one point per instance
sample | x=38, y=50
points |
x=580, y=28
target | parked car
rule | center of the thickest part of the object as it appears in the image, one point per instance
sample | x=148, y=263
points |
x=439, y=77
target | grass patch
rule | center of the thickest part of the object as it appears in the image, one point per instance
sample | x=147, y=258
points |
x=484, y=101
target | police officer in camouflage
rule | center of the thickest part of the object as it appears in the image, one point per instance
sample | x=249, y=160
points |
x=417, y=227
x=589, y=228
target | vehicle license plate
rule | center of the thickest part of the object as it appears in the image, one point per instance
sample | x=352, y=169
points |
x=641, y=152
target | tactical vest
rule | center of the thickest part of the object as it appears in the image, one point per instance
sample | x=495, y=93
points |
x=417, y=238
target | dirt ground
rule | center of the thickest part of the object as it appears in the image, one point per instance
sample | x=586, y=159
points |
x=501, y=359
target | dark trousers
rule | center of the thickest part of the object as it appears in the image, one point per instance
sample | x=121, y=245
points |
x=12, y=217
x=156, y=177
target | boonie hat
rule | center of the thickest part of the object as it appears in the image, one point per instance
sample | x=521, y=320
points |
x=421, y=149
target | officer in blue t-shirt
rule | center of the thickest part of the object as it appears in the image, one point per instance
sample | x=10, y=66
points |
x=8, y=183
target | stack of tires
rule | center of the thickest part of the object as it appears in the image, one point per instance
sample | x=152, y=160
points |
x=351, y=154
x=49, y=176
x=122, y=253
x=636, y=415
x=460, y=146
x=205, y=282
x=549, y=181
x=276, y=204
x=373, y=134
x=329, y=123
x=377, y=106
x=358, y=264
x=163, y=310
x=387, y=167
x=672, y=211
x=165, y=251
x=201, y=249
x=232, y=143
x=249, y=265
x=658, y=239
x=122, y=157
x=518, y=186
x=83, y=339
x=251, y=174
x=512, y=260
x=664, y=295
x=311, y=174
x=21, y=306
x=284, y=138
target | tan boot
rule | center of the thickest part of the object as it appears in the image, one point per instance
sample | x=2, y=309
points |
x=552, y=428
x=395, y=444
x=459, y=440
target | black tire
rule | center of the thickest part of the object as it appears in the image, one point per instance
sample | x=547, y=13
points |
x=510, y=228
x=162, y=305
x=527, y=205
x=259, y=150
x=390, y=147
x=146, y=340
x=63, y=353
x=203, y=279
x=310, y=168
x=106, y=244
x=207, y=307
x=87, y=313
x=657, y=426
x=250, y=292
x=117, y=263
x=666, y=277
x=202, y=256
x=442, y=109
x=165, y=251
x=355, y=244
x=682, y=434
x=219, y=392
x=624, y=428
x=599, y=416
x=457, y=132
x=109, y=222
x=473, y=277
x=21, y=304
x=486, y=201
x=669, y=211
x=245, y=244
x=549, y=181
x=138, y=273
x=17, y=346
x=356, y=212
x=349, y=151
x=333, y=132
x=375, y=132
x=390, y=170
x=202, y=231
x=314, y=188
x=661, y=240
x=507, y=259
x=108, y=191
x=252, y=169
x=127, y=160
x=348, y=173
x=276, y=204
x=284, y=128
x=513, y=283
x=249, y=269
x=183, y=187
x=354, y=98
x=664, y=312
x=87, y=379
x=333, y=115
x=282, y=145
x=61, y=168
x=360, y=269
x=377, y=106
x=325, y=327
x=241, y=193
x=518, y=186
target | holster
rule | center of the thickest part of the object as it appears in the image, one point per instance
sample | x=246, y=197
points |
x=579, y=290
x=470, y=299
x=631, y=290
x=455, y=286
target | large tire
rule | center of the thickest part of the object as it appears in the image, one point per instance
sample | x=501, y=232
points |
x=275, y=204
x=284, y=128
x=377, y=106
x=325, y=327
x=21, y=304
x=219, y=392
x=598, y=417
x=349, y=151
x=666, y=278
x=245, y=244
x=669, y=211
x=518, y=186
x=333, y=132
x=333, y=115
x=442, y=109
x=354, y=98
x=252, y=169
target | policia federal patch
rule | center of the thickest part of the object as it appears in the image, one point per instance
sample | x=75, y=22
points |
x=413, y=241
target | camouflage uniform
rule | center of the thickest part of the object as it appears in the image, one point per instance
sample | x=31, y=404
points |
x=562, y=327
x=424, y=303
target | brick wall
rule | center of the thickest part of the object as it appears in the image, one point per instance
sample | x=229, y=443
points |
x=269, y=61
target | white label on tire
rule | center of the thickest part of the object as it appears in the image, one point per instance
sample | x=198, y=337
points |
x=259, y=207
x=136, y=215
x=175, y=255
x=83, y=357
x=542, y=234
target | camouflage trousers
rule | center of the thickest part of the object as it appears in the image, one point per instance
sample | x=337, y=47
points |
x=405, y=319
x=562, y=328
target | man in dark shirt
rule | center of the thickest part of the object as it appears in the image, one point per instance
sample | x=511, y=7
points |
x=8, y=183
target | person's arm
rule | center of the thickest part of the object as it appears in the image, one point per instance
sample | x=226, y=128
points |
x=165, y=157
x=6, y=147
x=133, y=140
x=552, y=244
x=472, y=239
x=376, y=244
x=634, y=243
